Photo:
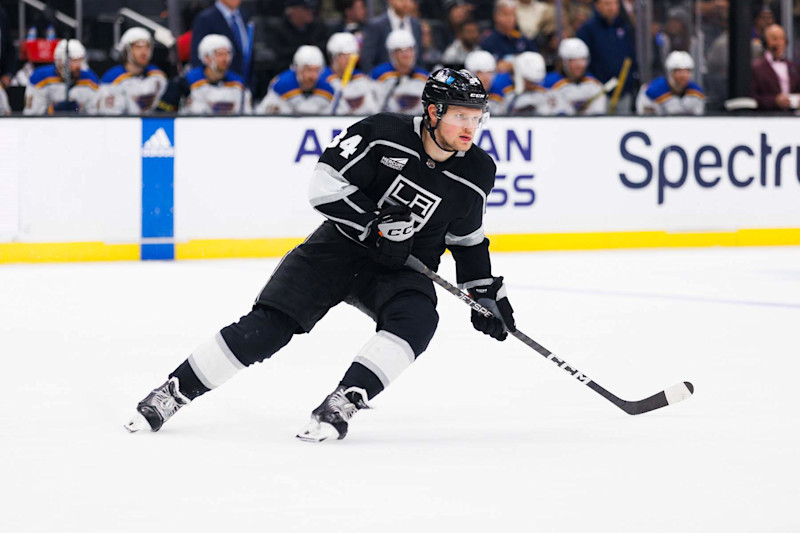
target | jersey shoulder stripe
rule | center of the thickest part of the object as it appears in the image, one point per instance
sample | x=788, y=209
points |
x=285, y=83
x=551, y=79
x=195, y=76
x=658, y=88
x=44, y=76
x=112, y=75
x=383, y=71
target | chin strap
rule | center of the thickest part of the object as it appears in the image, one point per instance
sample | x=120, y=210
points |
x=432, y=129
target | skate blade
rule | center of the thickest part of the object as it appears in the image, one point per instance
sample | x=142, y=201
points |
x=136, y=423
x=317, y=432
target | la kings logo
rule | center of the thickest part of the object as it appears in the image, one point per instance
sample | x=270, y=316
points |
x=422, y=203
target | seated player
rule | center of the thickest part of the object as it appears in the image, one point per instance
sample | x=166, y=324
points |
x=582, y=93
x=357, y=97
x=135, y=86
x=399, y=82
x=301, y=90
x=531, y=99
x=213, y=88
x=499, y=85
x=673, y=94
x=47, y=91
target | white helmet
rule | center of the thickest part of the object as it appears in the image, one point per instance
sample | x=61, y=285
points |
x=400, y=39
x=211, y=43
x=573, y=48
x=342, y=43
x=76, y=50
x=678, y=60
x=480, y=61
x=530, y=65
x=133, y=35
x=308, y=56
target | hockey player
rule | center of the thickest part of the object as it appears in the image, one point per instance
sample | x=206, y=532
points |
x=214, y=89
x=389, y=186
x=135, y=86
x=357, y=97
x=531, y=99
x=582, y=92
x=398, y=82
x=47, y=91
x=301, y=90
x=673, y=94
x=501, y=86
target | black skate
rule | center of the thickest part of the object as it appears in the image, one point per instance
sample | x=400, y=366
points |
x=331, y=417
x=157, y=407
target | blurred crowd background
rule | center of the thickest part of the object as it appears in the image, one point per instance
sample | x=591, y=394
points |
x=320, y=57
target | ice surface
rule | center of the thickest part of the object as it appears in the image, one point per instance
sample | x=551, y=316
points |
x=476, y=436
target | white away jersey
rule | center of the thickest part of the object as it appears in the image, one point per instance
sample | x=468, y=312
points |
x=225, y=97
x=399, y=93
x=657, y=98
x=122, y=93
x=286, y=97
x=585, y=97
x=358, y=97
x=47, y=89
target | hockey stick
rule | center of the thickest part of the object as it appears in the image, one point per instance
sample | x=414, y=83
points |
x=674, y=394
x=346, y=76
x=623, y=77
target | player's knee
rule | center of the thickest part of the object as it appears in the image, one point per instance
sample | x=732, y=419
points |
x=413, y=318
x=259, y=334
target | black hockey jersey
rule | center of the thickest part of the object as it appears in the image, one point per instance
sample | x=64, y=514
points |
x=381, y=160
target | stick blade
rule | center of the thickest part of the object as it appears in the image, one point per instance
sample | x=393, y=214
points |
x=676, y=393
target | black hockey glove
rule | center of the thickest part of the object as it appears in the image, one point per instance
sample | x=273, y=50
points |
x=390, y=236
x=493, y=297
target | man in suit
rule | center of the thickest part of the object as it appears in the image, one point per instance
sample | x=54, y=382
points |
x=773, y=77
x=224, y=18
x=399, y=16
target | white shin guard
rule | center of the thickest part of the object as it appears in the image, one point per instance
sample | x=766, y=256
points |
x=386, y=355
x=214, y=363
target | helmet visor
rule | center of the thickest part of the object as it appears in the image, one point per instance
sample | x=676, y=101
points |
x=465, y=117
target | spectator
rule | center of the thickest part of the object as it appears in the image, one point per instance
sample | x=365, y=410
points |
x=430, y=55
x=458, y=12
x=354, y=17
x=764, y=19
x=300, y=26
x=578, y=92
x=134, y=87
x=357, y=97
x=531, y=98
x=8, y=54
x=214, y=89
x=499, y=86
x=533, y=17
x=47, y=91
x=398, y=82
x=673, y=94
x=611, y=41
x=399, y=16
x=300, y=90
x=467, y=38
x=775, y=82
x=505, y=41
x=223, y=18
